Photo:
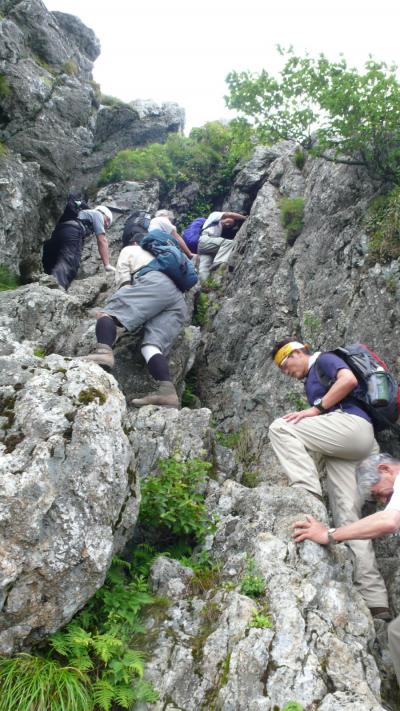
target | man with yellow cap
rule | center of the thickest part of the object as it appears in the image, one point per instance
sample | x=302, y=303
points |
x=334, y=431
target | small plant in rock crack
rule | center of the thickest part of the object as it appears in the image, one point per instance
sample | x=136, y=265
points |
x=253, y=583
x=261, y=618
x=89, y=665
x=172, y=500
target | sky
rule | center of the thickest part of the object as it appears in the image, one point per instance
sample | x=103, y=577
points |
x=181, y=51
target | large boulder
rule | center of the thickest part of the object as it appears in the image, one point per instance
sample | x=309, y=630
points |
x=306, y=639
x=69, y=497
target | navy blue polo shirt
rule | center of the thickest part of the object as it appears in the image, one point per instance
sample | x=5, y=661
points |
x=330, y=364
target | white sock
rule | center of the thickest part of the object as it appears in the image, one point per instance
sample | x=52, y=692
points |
x=149, y=351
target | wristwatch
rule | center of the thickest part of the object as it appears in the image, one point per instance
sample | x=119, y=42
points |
x=331, y=540
x=318, y=403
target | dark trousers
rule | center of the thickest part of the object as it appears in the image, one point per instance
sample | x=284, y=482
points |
x=62, y=252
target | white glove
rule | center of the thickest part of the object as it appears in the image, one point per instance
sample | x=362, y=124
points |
x=109, y=268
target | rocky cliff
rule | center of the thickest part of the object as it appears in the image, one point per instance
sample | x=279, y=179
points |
x=74, y=453
x=54, y=133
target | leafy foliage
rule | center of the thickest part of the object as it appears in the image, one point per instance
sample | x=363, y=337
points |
x=207, y=157
x=190, y=397
x=312, y=327
x=293, y=706
x=109, y=100
x=299, y=158
x=383, y=228
x=252, y=584
x=5, y=89
x=201, y=309
x=32, y=682
x=292, y=214
x=353, y=113
x=173, y=499
x=8, y=280
x=89, y=664
x=260, y=620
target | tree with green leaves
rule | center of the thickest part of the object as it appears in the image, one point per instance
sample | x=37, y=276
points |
x=354, y=115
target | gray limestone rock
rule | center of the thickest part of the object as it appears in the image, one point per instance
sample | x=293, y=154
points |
x=69, y=494
x=210, y=653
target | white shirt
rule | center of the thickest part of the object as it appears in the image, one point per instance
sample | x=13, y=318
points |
x=161, y=223
x=130, y=260
x=394, y=503
x=213, y=230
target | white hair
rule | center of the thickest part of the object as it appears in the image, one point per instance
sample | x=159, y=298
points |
x=367, y=472
x=165, y=213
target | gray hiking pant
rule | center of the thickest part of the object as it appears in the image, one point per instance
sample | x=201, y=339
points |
x=153, y=301
x=213, y=251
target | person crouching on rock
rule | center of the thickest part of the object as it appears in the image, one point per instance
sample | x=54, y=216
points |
x=153, y=301
x=340, y=434
x=62, y=252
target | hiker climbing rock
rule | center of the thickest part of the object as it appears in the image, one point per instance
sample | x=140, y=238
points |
x=147, y=295
x=163, y=221
x=379, y=476
x=216, y=240
x=62, y=252
x=338, y=432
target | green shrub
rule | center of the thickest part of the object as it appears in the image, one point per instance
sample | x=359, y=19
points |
x=208, y=157
x=250, y=479
x=293, y=706
x=8, y=280
x=172, y=500
x=241, y=442
x=70, y=67
x=201, y=309
x=109, y=100
x=90, y=664
x=32, y=682
x=190, y=397
x=5, y=89
x=39, y=352
x=312, y=327
x=252, y=584
x=391, y=283
x=382, y=225
x=297, y=402
x=90, y=394
x=260, y=620
x=227, y=439
x=292, y=217
x=3, y=149
x=299, y=158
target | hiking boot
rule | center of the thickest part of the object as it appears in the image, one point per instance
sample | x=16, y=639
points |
x=381, y=613
x=102, y=355
x=165, y=395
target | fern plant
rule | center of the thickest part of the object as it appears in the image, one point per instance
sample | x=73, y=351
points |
x=89, y=665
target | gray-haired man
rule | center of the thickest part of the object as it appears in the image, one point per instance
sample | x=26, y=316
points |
x=378, y=475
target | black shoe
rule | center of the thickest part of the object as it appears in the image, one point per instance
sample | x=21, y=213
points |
x=381, y=613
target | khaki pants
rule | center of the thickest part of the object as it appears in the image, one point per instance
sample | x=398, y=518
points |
x=394, y=645
x=213, y=251
x=340, y=441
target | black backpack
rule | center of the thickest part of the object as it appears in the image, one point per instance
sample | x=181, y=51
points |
x=75, y=203
x=136, y=227
x=371, y=372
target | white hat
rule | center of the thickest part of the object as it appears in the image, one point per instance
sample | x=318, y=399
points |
x=106, y=212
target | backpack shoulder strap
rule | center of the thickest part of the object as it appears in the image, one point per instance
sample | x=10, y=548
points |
x=323, y=378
